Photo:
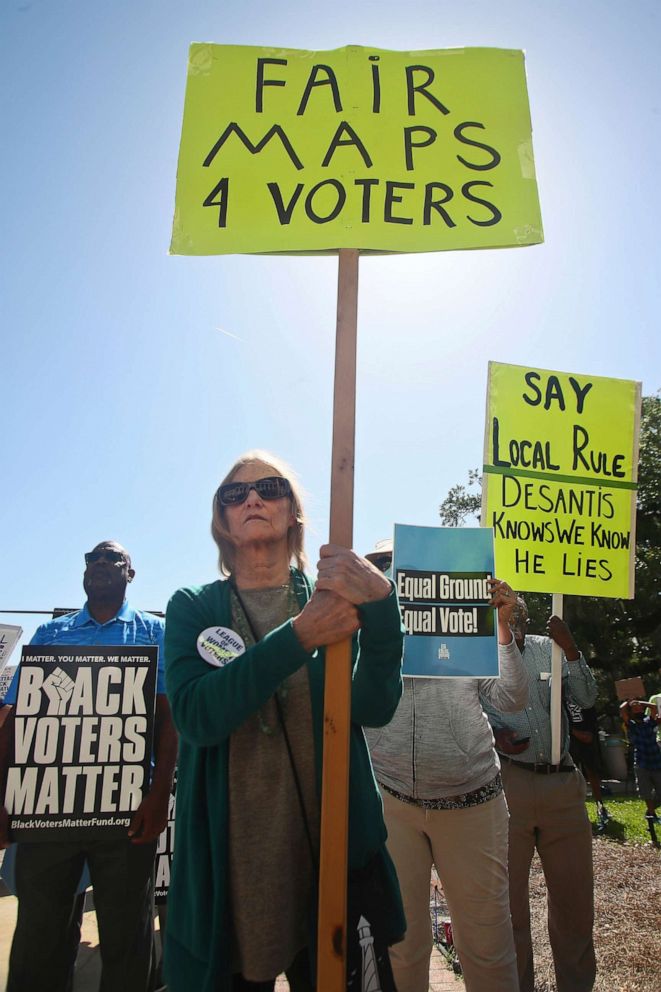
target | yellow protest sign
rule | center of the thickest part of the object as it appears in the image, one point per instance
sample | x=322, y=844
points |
x=294, y=151
x=559, y=484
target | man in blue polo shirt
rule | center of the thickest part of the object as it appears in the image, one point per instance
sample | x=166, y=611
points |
x=47, y=873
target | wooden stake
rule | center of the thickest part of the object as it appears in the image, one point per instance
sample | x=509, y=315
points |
x=331, y=934
x=556, y=687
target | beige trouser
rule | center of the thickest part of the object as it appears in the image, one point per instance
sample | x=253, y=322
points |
x=469, y=848
x=548, y=812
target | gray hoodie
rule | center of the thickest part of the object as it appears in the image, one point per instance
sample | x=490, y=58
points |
x=439, y=742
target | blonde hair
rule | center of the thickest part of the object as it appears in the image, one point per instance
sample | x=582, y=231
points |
x=295, y=534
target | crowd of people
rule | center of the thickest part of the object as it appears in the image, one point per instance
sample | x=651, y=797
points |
x=453, y=773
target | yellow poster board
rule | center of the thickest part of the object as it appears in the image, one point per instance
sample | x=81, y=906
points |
x=559, y=484
x=289, y=151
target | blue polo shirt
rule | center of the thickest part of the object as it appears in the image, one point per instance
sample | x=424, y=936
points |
x=129, y=626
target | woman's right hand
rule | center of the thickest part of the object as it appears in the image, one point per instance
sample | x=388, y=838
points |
x=325, y=619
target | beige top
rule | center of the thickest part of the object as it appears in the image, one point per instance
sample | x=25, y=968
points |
x=271, y=872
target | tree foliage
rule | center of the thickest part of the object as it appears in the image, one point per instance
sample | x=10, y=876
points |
x=620, y=638
x=463, y=502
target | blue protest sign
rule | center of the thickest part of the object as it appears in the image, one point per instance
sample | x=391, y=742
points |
x=442, y=574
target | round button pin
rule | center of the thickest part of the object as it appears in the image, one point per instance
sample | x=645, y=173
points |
x=219, y=646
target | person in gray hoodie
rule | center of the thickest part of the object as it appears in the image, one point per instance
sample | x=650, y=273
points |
x=444, y=805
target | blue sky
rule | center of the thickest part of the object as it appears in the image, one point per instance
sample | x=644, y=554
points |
x=131, y=379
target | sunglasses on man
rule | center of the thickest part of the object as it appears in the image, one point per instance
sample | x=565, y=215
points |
x=382, y=562
x=114, y=557
x=270, y=487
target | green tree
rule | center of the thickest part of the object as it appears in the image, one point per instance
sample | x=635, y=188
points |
x=463, y=502
x=619, y=637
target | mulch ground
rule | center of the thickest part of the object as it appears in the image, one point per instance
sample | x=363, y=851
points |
x=627, y=919
x=627, y=933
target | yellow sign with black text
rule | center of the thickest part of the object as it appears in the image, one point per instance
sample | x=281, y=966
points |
x=560, y=479
x=296, y=151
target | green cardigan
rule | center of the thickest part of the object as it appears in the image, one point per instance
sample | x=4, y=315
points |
x=208, y=704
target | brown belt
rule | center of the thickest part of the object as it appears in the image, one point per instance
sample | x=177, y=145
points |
x=541, y=768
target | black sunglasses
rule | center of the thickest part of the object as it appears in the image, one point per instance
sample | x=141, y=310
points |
x=271, y=487
x=115, y=557
x=382, y=562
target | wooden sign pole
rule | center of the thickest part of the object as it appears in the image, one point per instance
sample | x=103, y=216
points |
x=556, y=687
x=331, y=935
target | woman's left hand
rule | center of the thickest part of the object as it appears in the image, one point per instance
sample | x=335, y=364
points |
x=345, y=573
x=503, y=598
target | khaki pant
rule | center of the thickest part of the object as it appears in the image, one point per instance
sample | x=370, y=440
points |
x=469, y=848
x=547, y=812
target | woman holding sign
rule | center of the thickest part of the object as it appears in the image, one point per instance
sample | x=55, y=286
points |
x=245, y=676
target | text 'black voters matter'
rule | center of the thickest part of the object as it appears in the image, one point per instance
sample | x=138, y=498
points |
x=83, y=731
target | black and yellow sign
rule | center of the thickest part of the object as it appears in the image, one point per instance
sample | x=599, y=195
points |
x=560, y=471
x=295, y=151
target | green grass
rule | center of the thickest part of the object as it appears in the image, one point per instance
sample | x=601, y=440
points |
x=627, y=822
